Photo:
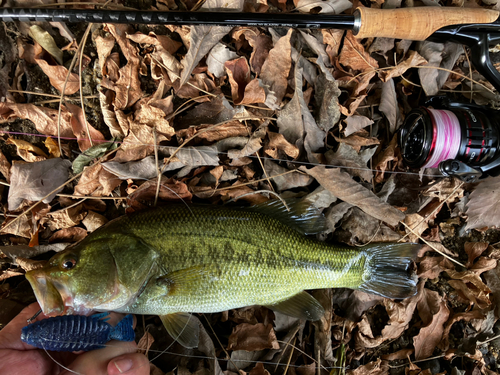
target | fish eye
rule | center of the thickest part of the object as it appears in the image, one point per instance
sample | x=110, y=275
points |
x=68, y=264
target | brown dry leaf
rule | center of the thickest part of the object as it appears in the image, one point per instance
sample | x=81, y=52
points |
x=430, y=335
x=45, y=119
x=384, y=158
x=358, y=140
x=377, y=367
x=202, y=39
x=29, y=265
x=104, y=47
x=25, y=150
x=275, y=71
x=57, y=75
x=483, y=209
x=164, y=41
x=236, y=191
x=473, y=250
x=9, y=273
x=71, y=235
x=145, y=343
x=483, y=264
x=465, y=316
x=80, y=127
x=5, y=166
x=430, y=267
x=413, y=60
x=252, y=337
x=23, y=227
x=355, y=123
x=96, y=181
x=354, y=163
x=46, y=41
x=170, y=190
x=254, y=93
x=470, y=288
x=260, y=42
x=278, y=142
x=128, y=86
x=354, y=56
x=323, y=327
x=229, y=129
x=287, y=181
x=332, y=38
x=218, y=57
x=93, y=221
x=53, y=148
x=417, y=224
x=65, y=218
x=238, y=72
x=344, y=187
x=389, y=105
x=33, y=181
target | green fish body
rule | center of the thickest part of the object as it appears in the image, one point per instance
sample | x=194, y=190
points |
x=180, y=259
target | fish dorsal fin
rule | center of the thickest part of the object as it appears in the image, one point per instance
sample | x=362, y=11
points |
x=301, y=305
x=300, y=215
x=183, y=327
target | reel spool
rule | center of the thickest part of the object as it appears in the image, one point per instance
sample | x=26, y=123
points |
x=461, y=140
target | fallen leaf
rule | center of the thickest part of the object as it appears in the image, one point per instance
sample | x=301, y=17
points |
x=144, y=169
x=438, y=55
x=57, y=75
x=287, y=181
x=65, y=218
x=5, y=166
x=413, y=60
x=53, y=147
x=355, y=164
x=483, y=209
x=238, y=72
x=354, y=56
x=72, y=235
x=278, y=142
x=85, y=133
x=45, y=119
x=418, y=225
x=325, y=6
x=430, y=335
x=217, y=59
x=389, y=105
x=90, y=154
x=202, y=39
x=93, y=221
x=251, y=337
x=275, y=70
x=378, y=367
x=473, y=250
x=34, y=181
x=169, y=191
x=355, y=123
x=254, y=93
x=26, y=146
x=44, y=39
x=344, y=187
x=431, y=266
x=327, y=100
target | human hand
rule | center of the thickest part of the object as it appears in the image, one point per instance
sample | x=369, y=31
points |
x=17, y=357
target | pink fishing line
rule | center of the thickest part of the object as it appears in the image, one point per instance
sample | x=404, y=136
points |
x=448, y=137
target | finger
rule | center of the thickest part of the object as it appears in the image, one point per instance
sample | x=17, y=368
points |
x=10, y=335
x=130, y=364
x=96, y=362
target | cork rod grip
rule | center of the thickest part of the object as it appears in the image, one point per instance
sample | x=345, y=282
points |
x=417, y=23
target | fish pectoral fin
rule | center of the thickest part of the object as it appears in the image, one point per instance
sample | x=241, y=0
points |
x=186, y=280
x=183, y=327
x=301, y=305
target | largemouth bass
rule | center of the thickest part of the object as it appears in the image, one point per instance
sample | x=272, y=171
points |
x=175, y=260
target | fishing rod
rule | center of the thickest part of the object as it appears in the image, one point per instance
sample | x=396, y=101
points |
x=476, y=28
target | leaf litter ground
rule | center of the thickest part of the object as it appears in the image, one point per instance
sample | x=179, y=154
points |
x=218, y=115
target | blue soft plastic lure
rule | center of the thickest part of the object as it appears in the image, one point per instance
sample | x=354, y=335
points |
x=70, y=333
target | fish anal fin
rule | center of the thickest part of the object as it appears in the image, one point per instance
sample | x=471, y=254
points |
x=183, y=327
x=301, y=305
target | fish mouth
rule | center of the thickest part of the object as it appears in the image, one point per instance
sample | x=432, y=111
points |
x=52, y=296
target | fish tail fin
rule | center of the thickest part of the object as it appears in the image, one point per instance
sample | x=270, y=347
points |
x=124, y=330
x=390, y=270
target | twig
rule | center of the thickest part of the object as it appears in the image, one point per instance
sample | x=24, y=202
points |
x=80, y=64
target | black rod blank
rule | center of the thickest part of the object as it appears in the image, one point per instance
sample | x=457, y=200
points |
x=295, y=20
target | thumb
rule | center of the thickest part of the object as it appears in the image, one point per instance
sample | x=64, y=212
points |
x=129, y=364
